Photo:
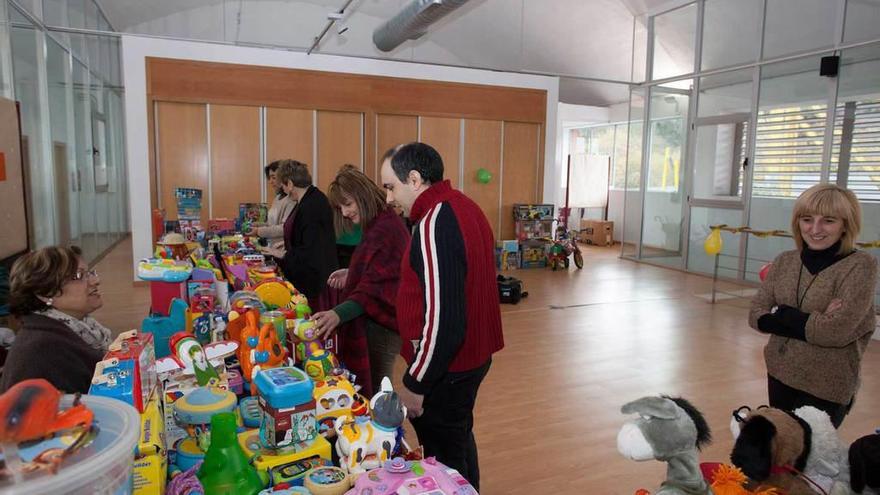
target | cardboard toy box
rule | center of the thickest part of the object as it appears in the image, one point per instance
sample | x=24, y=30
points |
x=151, y=459
x=128, y=370
x=597, y=232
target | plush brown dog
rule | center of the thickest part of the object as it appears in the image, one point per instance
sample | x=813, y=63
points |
x=772, y=449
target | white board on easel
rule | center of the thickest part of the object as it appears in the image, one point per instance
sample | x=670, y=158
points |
x=13, y=215
x=588, y=183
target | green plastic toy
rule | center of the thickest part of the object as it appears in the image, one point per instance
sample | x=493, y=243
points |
x=226, y=469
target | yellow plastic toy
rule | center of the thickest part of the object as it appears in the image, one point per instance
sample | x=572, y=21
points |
x=333, y=398
x=275, y=293
x=264, y=459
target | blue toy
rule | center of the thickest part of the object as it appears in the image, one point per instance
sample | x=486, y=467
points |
x=251, y=414
x=163, y=270
x=163, y=327
x=288, y=407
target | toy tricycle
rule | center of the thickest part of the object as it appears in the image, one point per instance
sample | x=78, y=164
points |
x=562, y=247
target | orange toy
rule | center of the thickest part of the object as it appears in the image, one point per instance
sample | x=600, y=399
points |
x=248, y=339
x=29, y=411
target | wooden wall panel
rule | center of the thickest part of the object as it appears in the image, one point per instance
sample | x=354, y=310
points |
x=482, y=148
x=520, y=171
x=235, y=158
x=196, y=81
x=290, y=133
x=444, y=134
x=392, y=130
x=182, y=152
x=340, y=141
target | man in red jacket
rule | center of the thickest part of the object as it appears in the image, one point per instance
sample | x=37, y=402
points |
x=448, y=312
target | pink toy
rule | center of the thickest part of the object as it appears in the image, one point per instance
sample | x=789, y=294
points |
x=426, y=477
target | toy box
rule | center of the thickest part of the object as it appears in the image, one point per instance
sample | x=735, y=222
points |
x=221, y=225
x=533, y=212
x=427, y=477
x=189, y=203
x=128, y=370
x=151, y=460
x=597, y=232
x=533, y=257
x=281, y=461
x=288, y=407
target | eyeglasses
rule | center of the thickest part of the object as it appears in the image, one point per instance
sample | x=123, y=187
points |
x=81, y=274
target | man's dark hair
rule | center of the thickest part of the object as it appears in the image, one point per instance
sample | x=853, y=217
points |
x=419, y=157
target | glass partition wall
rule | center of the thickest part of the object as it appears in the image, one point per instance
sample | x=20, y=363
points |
x=60, y=60
x=740, y=121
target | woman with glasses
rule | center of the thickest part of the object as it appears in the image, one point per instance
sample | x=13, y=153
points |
x=53, y=292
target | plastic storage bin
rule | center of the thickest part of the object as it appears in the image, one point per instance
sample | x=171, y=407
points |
x=102, y=468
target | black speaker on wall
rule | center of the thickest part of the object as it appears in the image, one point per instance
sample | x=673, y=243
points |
x=829, y=66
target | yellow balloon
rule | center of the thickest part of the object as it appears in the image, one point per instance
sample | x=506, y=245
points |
x=713, y=244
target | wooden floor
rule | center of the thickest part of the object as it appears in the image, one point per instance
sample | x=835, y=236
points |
x=582, y=344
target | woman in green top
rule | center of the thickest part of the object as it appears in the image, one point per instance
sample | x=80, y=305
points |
x=369, y=284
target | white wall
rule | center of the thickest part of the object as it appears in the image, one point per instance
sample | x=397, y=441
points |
x=135, y=49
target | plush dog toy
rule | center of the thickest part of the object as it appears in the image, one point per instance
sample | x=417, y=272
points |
x=798, y=452
x=670, y=430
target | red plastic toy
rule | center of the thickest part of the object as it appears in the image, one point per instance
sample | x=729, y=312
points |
x=29, y=411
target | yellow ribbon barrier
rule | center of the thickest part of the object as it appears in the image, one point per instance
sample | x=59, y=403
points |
x=762, y=233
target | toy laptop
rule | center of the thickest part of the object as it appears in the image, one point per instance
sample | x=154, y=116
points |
x=288, y=407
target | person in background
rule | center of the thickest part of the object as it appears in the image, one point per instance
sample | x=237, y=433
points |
x=309, y=236
x=53, y=292
x=369, y=285
x=448, y=312
x=282, y=205
x=817, y=304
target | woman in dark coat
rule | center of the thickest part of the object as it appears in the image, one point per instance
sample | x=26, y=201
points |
x=309, y=237
x=53, y=292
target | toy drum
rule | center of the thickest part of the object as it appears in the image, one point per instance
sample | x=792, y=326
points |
x=328, y=480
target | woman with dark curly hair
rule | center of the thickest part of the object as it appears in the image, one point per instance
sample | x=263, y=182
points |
x=53, y=291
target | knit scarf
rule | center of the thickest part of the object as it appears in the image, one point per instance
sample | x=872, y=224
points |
x=93, y=333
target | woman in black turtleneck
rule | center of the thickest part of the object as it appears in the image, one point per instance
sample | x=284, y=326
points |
x=817, y=304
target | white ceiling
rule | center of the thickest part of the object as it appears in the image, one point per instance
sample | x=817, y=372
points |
x=584, y=38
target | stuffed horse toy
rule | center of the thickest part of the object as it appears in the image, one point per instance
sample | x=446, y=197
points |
x=670, y=430
x=798, y=452
x=365, y=445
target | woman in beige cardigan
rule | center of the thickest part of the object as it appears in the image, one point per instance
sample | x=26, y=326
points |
x=817, y=303
x=282, y=206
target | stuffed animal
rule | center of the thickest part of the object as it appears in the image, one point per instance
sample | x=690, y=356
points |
x=365, y=445
x=864, y=462
x=670, y=430
x=797, y=452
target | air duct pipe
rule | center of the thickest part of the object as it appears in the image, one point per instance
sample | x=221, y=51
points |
x=412, y=22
